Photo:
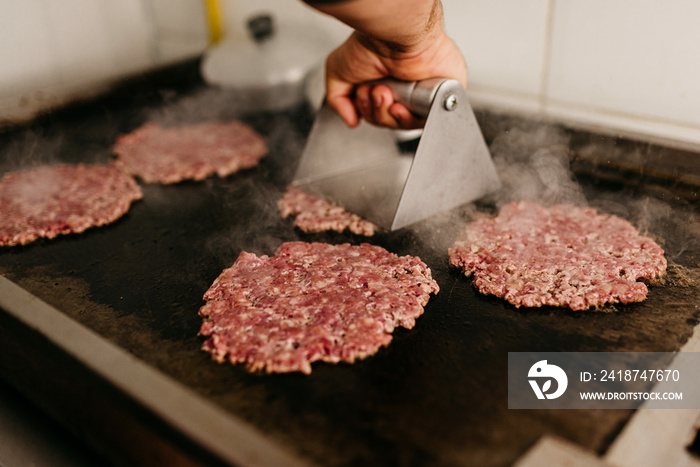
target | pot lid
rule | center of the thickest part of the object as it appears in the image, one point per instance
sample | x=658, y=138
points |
x=273, y=54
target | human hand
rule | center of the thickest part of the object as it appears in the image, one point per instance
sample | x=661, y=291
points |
x=361, y=59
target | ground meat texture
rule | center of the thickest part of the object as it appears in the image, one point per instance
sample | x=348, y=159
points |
x=59, y=199
x=314, y=214
x=189, y=152
x=310, y=302
x=560, y=255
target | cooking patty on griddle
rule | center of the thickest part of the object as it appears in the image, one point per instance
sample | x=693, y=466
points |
x=560, y=255
x=59, y=199
x=310, y=302
x=314, y=214
x=167, y=155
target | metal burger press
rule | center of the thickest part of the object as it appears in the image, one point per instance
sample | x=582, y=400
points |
x=370, y=173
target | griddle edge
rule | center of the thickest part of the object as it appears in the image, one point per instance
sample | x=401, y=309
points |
x=172, y=424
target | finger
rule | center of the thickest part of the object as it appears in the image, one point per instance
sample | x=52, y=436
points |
x=404, y=118
x=382, y=100
x=338, y=98
x=363, y=101
x=345, y=108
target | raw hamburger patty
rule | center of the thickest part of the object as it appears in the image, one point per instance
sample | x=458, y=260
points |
x=170, y=155
x=312, y=301
x=59, y=199
x=314, y=214
x=561, y=255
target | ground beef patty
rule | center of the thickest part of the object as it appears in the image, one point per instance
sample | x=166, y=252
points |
x=312, y=301
x=560, y=255
x=314, y=214
x=169, y=155
x=59, y=199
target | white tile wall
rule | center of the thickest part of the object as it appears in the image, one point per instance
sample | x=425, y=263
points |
x=57, y=50
x=183, y=17
x=634, y=60
x=179, y=28
x=620, y=66
x=504, y=43
x=94, y=41
x=27, y=61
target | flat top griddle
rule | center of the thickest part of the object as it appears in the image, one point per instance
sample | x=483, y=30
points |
x=436, y=396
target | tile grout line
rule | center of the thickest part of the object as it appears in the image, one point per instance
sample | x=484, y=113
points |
x=547, y=56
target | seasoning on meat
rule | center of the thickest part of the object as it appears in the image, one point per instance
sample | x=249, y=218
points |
x=59, y=199
x=310, y=302
x=172, y=154
x=314, y=214
x=560, y=255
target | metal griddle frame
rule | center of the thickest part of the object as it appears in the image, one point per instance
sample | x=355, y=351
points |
x=180, y=426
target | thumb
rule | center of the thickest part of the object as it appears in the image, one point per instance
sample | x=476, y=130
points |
x=338, y=97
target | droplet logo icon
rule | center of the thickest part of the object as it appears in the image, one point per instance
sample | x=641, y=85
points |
x=545, y=373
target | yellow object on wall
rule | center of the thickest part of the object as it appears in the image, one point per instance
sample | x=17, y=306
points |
x=213, y=12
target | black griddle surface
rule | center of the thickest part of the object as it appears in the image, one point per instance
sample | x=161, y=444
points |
x=436, y=396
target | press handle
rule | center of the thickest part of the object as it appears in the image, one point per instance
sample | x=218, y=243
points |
x=417, y=96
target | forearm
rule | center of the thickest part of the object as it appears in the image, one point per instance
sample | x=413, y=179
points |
x=394, y=28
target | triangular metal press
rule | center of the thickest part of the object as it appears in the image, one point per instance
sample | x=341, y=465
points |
x=367, y=172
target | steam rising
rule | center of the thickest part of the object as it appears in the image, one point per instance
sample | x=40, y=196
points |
x=208, y=103
x=261, y=232
x=254, y=192
x=29, y=149
x=532, y=160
